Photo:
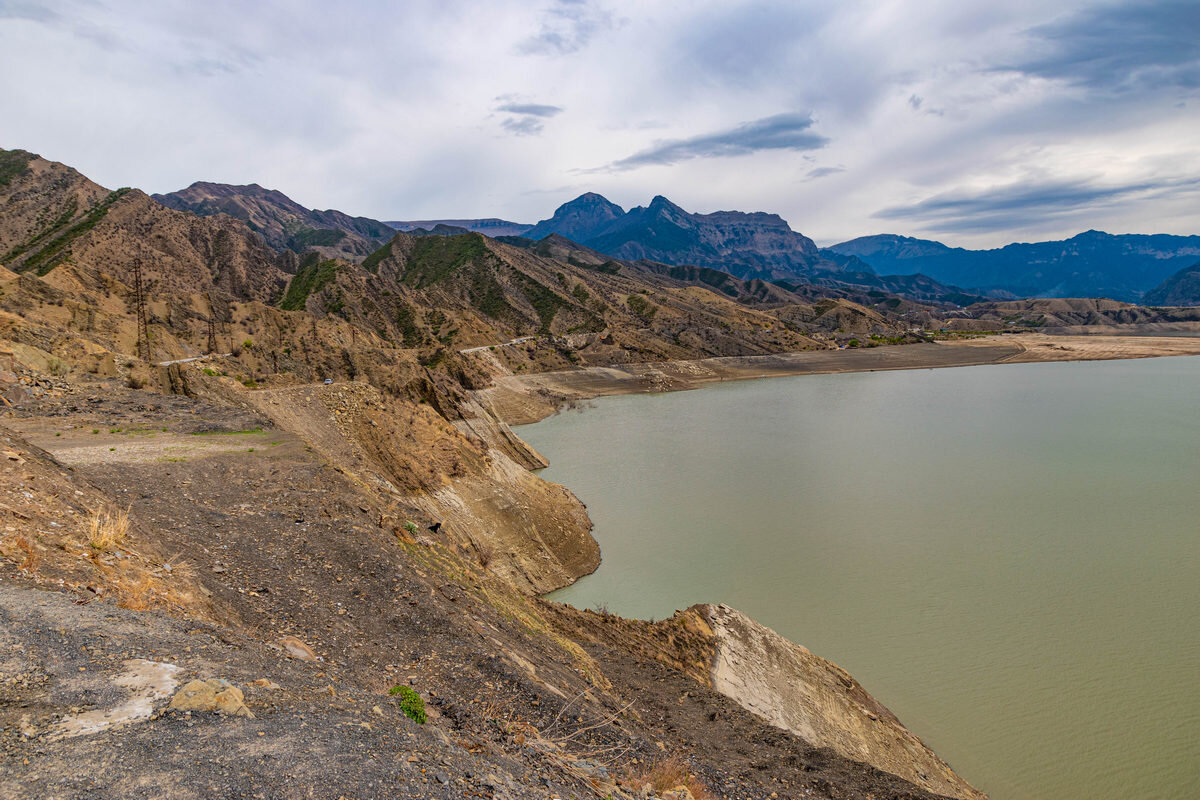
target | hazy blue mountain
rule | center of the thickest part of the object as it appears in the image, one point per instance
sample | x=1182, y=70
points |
x=1181, y=289
x=579, y=220
x=754, y=245
x=1092, y=264
x=490, y=226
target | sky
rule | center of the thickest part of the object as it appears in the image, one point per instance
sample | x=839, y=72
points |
x=975, y=123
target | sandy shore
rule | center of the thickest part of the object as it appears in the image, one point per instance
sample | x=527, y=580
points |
x=521, y=399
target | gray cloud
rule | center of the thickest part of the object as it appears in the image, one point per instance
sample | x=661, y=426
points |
x=779, y=132
x=821, y=172
x=567, y=26
x=28, y=11
x=522, y=126
x=526, y=119
x=1132, y=46
x=1023, y=204
x=530, y=109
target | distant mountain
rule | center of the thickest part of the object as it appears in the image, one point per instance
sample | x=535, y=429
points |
x=580, y=220
x=281, y=221
x=1092, y=264
x=1181, y=289
x=754, y=245
x=490, y=226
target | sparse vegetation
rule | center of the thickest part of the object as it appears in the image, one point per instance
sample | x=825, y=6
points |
x=12, y=164
x=313, y=276
x=406, y=321
x=410, y=703
x=435, y=258
x=107, y=529
x=641, y=306
x=55, y=253
x=303, y=238
x=371, y=263
x=670, y=773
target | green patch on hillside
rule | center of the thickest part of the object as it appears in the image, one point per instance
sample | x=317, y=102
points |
x=641, y=306
x=371, y=262
x=313, y=276
x=406, y=321
x=12, y=164
x=69, y=209
x=487, y=295
x=544, y=301
x=303, y=238
x=435, y=258
x=55, y=251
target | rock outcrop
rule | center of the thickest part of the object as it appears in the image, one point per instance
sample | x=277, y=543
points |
x=820, y=702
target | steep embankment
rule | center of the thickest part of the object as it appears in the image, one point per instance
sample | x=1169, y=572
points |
x=818, y=701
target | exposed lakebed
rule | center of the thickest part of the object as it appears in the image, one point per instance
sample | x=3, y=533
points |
x=1007, y=556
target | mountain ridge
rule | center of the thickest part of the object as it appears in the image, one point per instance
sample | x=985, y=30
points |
x=1090, y=264
x=282, y=222
x=746, y=245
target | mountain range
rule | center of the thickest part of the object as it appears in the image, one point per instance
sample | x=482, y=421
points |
x=746, y=245
x=753, y=245
x=1092, y=264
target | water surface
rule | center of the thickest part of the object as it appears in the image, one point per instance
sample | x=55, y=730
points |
x=1006, y=556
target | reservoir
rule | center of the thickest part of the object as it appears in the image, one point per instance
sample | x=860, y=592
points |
x=1008, y=556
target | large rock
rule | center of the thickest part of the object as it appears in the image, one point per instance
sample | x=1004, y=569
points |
x=214, y=694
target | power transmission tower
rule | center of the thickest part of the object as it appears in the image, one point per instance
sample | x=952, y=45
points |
x=139, y=298
x=212, y=334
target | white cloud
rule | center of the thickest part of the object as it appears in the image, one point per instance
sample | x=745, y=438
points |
x=408, y=113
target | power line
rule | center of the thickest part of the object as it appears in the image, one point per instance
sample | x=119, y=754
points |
x=139, y=299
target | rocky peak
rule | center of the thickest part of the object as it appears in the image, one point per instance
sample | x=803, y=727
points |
x=580, y=219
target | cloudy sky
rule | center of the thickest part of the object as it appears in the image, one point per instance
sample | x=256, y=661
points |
x=977, y=123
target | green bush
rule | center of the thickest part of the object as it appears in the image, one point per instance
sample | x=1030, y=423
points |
x=410, y=703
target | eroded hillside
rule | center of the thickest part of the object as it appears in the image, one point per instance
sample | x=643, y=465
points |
x=308, y=494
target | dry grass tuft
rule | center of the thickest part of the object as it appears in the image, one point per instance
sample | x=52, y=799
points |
x=106, y=530
x=139, y=596
x=31, y=558
x=485, y=553
x=670, y=773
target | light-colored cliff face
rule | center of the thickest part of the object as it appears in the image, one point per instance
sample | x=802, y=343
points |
x=817, y=700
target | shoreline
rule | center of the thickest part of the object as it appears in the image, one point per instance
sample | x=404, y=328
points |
x=525, y=399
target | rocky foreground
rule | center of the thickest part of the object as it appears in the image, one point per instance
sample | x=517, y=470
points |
x=277, y=599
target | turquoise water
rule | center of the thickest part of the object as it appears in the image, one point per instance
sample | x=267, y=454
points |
x=1006, y=556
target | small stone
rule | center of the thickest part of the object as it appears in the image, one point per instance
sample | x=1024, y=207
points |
x=296, y=648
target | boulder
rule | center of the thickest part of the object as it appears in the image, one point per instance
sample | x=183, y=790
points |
x=214, y=694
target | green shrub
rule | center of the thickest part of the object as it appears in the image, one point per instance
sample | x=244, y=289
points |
x=410, y=703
